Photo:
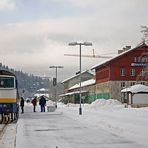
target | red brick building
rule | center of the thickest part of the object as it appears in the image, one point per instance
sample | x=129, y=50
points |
x=126, y=69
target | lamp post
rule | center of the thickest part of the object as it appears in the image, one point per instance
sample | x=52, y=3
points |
x=80, y=45
x=55, y=80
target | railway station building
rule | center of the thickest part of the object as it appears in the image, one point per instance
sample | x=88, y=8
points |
x=128, y=68
x=72, y=85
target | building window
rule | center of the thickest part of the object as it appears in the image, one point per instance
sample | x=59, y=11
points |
x=143, y=83
x=142, y=72
x=132, y=83
x=132, y=72
x=140, y=59
x=135, y=59
x=122, y=71
x=122, y=84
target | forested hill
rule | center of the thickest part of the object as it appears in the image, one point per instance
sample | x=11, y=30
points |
x=28, y=82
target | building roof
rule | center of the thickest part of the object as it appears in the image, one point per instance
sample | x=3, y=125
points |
x=41, y=94
x=42, y=89
x=72, y=93
x=85, y=83
x=76, y=76
x=117, y=56
x=136, y=88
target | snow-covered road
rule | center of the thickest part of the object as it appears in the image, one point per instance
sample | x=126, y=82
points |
x=64, y=128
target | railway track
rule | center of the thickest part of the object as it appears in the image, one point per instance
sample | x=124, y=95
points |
x=8, y=135
x=2, y=130
x=3, y=126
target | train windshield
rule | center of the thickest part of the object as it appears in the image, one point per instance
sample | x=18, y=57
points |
x=7, y=82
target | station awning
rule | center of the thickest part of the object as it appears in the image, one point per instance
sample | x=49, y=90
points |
x=71, y=93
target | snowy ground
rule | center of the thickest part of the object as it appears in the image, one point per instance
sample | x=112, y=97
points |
x=7, y=139
x=110, y=118
x=110, y=115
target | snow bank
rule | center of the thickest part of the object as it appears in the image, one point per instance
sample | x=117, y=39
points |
x=99, y=104
x=72, y=105
x=50, y=103
x=102, y=103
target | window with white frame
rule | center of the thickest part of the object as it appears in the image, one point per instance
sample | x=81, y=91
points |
x=143, y=83
x=122, y=71
x=132, y=83
x=132, y=72
x=122, y=84
x=142, y=72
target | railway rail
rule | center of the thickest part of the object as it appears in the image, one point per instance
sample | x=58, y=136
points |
x=8, y=135
x=2, y=130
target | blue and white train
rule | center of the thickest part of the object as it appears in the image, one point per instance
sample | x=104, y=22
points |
x=9, y=98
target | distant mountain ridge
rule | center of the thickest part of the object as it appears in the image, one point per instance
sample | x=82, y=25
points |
x=27, y=82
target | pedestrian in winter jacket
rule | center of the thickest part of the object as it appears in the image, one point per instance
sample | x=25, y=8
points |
x=22, y=105
x=34, y=103
x=42, y=103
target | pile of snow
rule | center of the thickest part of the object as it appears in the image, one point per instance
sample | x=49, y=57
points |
x=72, y=105
x=102, y=103
x=50, y=103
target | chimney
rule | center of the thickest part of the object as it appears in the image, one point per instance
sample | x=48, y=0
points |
x=124, y=49
x=120, y=51
x=128, y=47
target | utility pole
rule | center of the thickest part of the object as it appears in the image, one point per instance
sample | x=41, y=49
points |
x=55, y=80
x=80, y=45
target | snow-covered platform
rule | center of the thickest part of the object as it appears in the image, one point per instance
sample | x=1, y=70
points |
x=104, y=123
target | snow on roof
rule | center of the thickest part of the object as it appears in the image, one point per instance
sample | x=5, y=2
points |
x=42, y=89
x=110, y=59
x=41, y=94
x=72, y=93
x=136, y=88
x=77, y=75
x=85, y=83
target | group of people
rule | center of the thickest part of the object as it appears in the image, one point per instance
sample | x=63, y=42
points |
x=42, y=103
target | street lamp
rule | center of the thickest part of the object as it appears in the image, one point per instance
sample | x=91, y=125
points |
x=55, y=81
x=80, y=44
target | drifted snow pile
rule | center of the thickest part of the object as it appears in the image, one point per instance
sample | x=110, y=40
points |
x=51, y=106
x=102, y=103
x=50, y=103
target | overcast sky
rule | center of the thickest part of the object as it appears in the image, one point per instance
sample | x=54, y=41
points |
x=35, y=33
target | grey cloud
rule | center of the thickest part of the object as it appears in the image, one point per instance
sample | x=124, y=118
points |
x=22, y=43
x=6, y=5
x=112, y=24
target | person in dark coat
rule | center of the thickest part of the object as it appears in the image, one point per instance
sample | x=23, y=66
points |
x=22, y=105
x=34, y=102
x=42, y=103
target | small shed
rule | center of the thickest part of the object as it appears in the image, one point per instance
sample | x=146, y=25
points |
x=136, y=95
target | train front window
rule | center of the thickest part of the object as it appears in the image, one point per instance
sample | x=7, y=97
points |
x=6, y=82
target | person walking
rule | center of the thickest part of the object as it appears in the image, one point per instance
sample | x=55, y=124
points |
x=42, y=103
x=34, y=102
x=22, y=105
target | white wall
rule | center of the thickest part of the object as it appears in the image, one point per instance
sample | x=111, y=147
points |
x=140, y=99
